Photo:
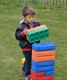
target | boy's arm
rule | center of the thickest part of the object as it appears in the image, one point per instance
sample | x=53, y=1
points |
x=19, y=34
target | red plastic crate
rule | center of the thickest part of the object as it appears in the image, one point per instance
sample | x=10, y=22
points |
x=37, y=74
x=49, y=77
x=37, y=78
x=42, y=78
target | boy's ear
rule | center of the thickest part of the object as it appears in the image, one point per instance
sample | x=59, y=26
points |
x=23, y=16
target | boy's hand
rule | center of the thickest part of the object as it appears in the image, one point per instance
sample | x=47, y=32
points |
x=25, y=31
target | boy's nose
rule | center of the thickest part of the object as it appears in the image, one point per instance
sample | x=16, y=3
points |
x=32, y=19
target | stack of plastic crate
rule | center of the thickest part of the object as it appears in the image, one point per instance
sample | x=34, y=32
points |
x=43, y=61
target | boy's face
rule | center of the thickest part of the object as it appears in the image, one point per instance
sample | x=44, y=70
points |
x=30, y=18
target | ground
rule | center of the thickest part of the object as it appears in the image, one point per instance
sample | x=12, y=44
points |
x=10, y=53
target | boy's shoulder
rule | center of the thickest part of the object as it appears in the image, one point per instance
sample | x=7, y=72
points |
x=21, y=24
x=22, y=21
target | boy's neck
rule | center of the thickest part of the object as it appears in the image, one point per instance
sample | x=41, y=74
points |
x=27, y=22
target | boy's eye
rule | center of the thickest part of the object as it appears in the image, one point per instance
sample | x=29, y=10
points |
x=31, y=16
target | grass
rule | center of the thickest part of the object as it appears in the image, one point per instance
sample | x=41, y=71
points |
x=10, y=53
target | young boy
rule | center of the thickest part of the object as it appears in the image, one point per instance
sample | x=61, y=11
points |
x=28, y=15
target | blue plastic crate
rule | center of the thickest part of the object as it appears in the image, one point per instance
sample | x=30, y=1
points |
x=43, y=69
x=44, y=46
x=44, y=63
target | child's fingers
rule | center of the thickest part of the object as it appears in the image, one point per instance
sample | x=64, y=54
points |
x=25, y=31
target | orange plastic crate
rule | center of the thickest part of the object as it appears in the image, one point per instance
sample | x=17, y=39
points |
x=43, y=53
x=44, y=58
x=36, y=28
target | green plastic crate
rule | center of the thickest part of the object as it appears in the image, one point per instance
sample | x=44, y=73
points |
x=38, y=35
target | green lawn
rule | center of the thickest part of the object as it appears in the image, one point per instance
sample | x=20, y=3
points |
x=10, y=53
